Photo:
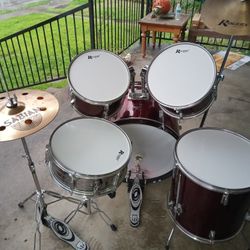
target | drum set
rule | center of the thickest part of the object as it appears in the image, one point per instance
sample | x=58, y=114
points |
x=129, y=131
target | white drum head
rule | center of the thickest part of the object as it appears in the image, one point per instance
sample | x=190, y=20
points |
x=99, y=76
x=181, y=75
x=155, y=146
x=216, y=157
x=90, y=146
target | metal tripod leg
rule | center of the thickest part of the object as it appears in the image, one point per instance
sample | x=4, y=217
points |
x=33, y=172
x=169, y=238
x=21, y=203
x=89, y=204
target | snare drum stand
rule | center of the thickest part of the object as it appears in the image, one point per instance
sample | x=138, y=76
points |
x=219, y=77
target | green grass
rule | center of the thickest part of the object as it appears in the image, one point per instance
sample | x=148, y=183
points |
x=15, y=24
x=35, y=4
x=57, y=84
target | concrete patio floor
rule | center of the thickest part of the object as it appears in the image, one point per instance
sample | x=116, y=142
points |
x=17, y=226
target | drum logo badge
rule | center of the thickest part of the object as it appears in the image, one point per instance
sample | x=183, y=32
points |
x=121, y=152
x=93, y=57
x=227, y=23
x=30, y=117
x=179, y=51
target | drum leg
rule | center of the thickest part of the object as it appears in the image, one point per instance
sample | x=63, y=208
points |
x=169, y=238
x=21, y=204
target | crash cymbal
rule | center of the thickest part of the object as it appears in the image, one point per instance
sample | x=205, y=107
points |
x=34, y=110
x=229, y=17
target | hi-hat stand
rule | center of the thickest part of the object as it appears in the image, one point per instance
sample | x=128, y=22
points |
x=219, y=78
x=60, y=228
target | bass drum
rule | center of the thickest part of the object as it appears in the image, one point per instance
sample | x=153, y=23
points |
x=210, y=192
x=153, y=135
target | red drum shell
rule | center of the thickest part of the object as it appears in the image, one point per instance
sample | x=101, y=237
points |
x=202, y=210
x=147, y=109
x=95, y=110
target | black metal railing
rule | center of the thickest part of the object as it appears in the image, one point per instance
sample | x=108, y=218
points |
x=42, y=53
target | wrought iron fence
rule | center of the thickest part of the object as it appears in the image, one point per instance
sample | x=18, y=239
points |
x=42, y=53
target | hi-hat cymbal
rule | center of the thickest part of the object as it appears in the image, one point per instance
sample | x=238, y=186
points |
x=229, y=17
x=35, y=109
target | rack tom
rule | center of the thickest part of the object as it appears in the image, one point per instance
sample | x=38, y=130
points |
x=98, y=82
x=182, y=80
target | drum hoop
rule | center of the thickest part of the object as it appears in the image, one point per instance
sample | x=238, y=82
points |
x=85, y=98
x=188, y=116
x=200, y=182
x=212, y=88
x=88, y=176
x=198, y=238
x=157, y=124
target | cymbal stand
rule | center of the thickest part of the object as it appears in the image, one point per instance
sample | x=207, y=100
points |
x=40, y=204
x=219, y=77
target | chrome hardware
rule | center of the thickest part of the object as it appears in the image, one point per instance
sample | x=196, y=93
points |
x=178, y=209
x=161, y=116
x=140, y=94
x=132, y=78
x=224, y=199
x=143, y=78
x=211, y=236
x=105, y=111
x=171, y=205
x=174, y=170
x=47, y=155
x=117, y=177
x=72, y=97
x=178, y=112
x=73, y=181
x=97, y=185
x=220, y=77
x=12, y=102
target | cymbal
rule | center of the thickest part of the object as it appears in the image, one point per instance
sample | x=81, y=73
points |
x=229, y=17
x=35, y=109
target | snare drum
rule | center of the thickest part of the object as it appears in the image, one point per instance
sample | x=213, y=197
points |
x=88, y=156
x=153, y=137
x=210, y=191
x=98, y=82
x=182, y=80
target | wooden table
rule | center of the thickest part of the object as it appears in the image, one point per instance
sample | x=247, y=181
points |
x=177, y=27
